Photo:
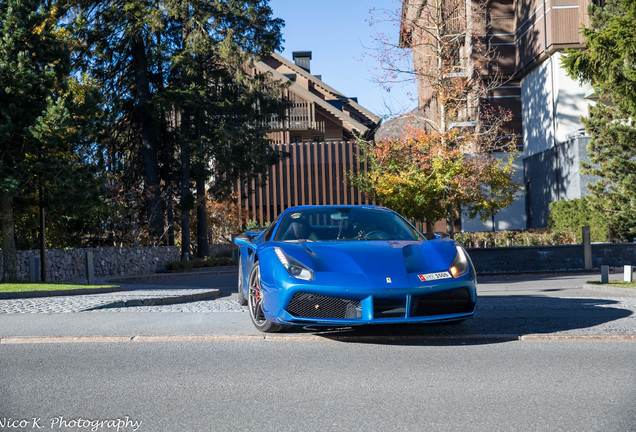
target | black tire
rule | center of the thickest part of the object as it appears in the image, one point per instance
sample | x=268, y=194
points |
x=255, y=301
x=241, y=298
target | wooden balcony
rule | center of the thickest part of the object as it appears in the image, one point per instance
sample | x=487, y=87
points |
x=301, y=116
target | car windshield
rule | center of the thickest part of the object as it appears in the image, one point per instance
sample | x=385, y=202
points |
x=347, y=223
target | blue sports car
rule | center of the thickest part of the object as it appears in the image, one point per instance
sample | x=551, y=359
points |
x=351, y=265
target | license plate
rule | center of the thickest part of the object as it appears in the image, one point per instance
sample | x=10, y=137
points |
x=434, y=276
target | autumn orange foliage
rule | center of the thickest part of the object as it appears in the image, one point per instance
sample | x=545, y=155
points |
x=428, y=175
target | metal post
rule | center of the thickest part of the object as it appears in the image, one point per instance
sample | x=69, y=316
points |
x=90, y=268
x=587, y=247
x=628, y=273
x=34, y=268
x=604, y=274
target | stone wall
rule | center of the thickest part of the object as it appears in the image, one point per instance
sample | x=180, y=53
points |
x=69, y=265
x=550, y=258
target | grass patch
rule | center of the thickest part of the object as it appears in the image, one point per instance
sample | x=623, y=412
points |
x=31, y=286
x=617, y=284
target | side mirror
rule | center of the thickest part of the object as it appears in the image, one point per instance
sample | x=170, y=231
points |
x=244, y=240
x=435, y=235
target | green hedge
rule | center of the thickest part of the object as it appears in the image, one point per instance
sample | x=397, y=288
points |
x=565, y=220
x=571, y=215
x=516, y=238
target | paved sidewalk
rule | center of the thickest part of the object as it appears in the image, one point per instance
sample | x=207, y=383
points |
x=182, y=291
x=144, y=297
x=520, y=307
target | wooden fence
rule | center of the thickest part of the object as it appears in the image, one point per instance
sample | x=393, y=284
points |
x=314, y=173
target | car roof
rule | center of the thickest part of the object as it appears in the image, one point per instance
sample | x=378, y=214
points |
x=328, y=206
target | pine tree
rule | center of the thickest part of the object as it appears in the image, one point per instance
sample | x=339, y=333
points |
x=223, y=105
x=44, y=116
x=119, y=54
x=609, y=64
x=191, y=109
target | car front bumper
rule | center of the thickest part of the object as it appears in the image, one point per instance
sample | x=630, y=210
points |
x=305, y=304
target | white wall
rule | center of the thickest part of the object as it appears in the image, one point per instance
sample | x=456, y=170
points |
x=571, y=103
x=551, y=106
x=510, y=218
x=536, y=110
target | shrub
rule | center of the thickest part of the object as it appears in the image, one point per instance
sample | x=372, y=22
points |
x=568, y=216
x=531, y=237
x=253, y=224
x=464, y=239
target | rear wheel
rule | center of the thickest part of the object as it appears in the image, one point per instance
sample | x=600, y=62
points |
x=241, y=298
x=255, y=302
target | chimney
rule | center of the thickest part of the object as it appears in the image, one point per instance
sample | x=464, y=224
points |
x=302, y=59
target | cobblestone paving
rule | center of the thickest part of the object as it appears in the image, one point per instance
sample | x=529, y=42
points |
x=108, y=303
x=96, y=303
x=219, y=305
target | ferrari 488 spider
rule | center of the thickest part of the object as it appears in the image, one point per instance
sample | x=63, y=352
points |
x=351, y=265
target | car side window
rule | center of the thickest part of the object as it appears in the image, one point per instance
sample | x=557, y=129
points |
x=270, y=229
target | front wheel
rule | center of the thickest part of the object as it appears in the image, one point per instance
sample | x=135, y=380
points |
x=255, y=302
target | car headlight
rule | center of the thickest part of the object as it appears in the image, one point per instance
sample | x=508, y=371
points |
x=293, y=267
x=459, y=267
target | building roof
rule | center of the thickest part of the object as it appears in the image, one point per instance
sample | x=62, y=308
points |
x=398, y=127
x=355, y=118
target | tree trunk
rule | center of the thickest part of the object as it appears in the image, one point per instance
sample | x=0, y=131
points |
x=154, y=206
x=170, y=217
x=203, y=248
x=450, y=221
x=9, y=272
x=42, y=241
x=185, y=189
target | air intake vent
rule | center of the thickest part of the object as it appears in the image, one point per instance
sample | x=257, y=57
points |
x=443, y=303
x=389, y=307
x=318, y=306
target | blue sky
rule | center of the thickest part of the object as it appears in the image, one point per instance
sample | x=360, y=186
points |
x=342, y=43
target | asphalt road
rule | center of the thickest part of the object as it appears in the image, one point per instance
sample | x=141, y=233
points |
x=509, y=307
x=330, y=386
x=542, y=354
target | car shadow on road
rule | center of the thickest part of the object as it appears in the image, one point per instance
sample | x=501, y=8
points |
x=498, y=319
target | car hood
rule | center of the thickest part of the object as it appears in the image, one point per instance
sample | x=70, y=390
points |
x=376, y=259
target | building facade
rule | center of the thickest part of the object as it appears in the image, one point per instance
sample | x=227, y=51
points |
x=319, y=138
x=526, y=40
x=319, y=112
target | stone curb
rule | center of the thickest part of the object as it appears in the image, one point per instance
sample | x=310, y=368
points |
x=312, y=338
x=167, y=300
x=56, y=293
x=610, y=289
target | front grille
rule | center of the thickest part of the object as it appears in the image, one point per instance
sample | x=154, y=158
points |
x=318, y=306
x=442, y=303
x=389, y=307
